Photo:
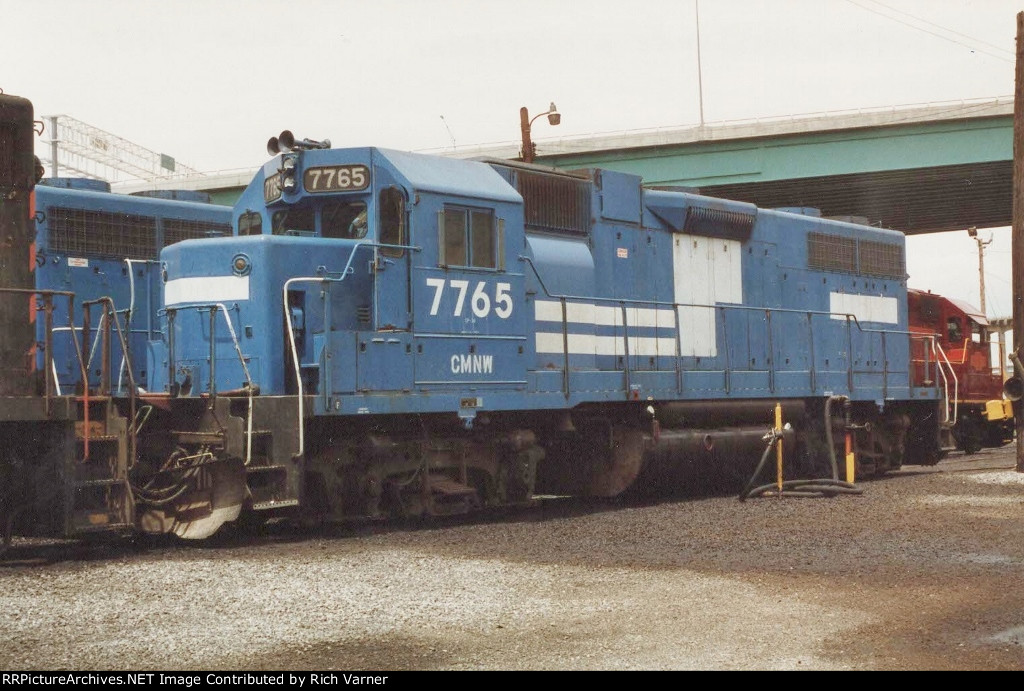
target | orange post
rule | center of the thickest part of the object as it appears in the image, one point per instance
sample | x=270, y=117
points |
x=851, y=459
x=778, y=447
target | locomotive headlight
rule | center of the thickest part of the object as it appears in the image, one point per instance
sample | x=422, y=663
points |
x=289, y=163
x=240, y=265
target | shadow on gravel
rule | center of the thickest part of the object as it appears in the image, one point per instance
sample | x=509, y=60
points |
x=25, y=552
x=45, y=552
x=391, y=653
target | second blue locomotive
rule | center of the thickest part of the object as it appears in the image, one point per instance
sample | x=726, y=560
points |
x=96, y=245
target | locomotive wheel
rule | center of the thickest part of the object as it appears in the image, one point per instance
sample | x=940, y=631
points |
x=623, y=461
x=996, y=435
x=969, y=436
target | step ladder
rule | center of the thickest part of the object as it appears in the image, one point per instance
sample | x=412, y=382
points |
x=267, y=480
x=444, y=496
x=100, y=494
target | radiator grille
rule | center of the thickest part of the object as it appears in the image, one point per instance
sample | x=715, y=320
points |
x=718, y=223
x=554, y=202
x=883, y=259
x=176, y=230
x=82, y=232
x=831, y=253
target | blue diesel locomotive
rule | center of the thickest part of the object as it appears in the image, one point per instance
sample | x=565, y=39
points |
x=389, y=333
x=95, y=244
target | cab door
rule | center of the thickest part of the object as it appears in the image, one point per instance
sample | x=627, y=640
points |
x=384, y=355
x=391, y=263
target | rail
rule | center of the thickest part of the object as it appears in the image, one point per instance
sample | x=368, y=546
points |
x=941, y=358
x=946, y=372
x=130, y=312
x=999, y=370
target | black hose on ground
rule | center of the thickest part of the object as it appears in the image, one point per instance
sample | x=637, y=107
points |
x=772, y=437
x=819, y=487
x=807, y=488
x=828, y=433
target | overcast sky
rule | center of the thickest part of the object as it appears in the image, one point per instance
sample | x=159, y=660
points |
x=208, y=82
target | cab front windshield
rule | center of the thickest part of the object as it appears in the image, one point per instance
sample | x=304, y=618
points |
x=338, y=219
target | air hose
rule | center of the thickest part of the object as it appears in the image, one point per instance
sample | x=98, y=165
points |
x=820, y=487
x=828, y=433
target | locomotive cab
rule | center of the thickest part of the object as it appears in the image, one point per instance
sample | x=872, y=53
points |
x=352, y=244
x=311, y=307
x=983, y=417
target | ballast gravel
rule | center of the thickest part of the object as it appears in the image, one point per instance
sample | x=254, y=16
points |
x=921, y=571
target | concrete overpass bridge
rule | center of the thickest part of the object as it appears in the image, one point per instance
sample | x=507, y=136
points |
x=917, y=169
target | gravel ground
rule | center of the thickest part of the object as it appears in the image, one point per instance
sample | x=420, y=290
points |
x=921, y=572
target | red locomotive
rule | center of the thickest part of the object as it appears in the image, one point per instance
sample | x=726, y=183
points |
x=978, y=415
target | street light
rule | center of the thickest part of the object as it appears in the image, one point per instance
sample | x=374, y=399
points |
x=529, y=151
x=973, y=232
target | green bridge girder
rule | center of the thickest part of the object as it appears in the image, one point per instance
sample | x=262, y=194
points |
x=917, y=169
x=796, y=156
x=949, y=171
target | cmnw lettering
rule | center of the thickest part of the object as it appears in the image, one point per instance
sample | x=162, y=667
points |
x=472, y=364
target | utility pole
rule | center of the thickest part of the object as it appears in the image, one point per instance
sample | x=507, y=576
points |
x=973, y=232
x=1017, y=238
x=700, y=78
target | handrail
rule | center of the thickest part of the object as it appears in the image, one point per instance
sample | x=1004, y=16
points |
x=294, y=350
x=325, y=277
x=125, y=358
x=750, y=308
x=105, y=322
x=214, y=307
x=849, y=318
x=963, y=350
x=130, y=312
x=937, y=349
x=110, y=314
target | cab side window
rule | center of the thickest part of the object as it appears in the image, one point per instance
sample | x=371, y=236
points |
x=468, y=237
x=454, y=249
x=956, y=333
x=294, y=221
x=250, y=223
x=392, y=221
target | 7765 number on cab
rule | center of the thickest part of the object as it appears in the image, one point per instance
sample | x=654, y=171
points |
x=480, y=301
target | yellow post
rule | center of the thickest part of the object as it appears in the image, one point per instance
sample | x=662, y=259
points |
x=778, y=447
x=851, y=459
